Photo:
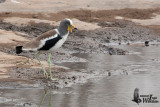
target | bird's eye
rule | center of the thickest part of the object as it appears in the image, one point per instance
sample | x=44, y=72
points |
x=67, y=24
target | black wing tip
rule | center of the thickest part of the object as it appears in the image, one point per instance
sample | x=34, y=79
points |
x=18, y=49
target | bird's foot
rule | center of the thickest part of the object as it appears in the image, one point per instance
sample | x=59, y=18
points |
x=45, y=75
x=53, y=79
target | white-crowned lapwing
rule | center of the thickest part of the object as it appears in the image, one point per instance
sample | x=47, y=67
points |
x=48, y=41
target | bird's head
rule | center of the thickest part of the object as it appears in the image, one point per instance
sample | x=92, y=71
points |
x=67, y=25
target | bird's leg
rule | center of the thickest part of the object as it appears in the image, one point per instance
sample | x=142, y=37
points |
x=50, y=99
x=44, y=71
x=43, y=98
x=49, y=62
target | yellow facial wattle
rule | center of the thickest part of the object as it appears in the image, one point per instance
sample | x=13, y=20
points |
x=70, y=27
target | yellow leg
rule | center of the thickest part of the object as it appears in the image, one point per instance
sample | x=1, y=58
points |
x=49, y=62
x=43, y=98
x=50, y=99
x=44, y=71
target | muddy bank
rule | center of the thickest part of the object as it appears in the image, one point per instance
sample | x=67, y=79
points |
x=89, y=15
x=34, y=29
x=97, y=41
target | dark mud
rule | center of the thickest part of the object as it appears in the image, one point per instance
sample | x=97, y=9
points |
x=27, y=77
x=119, y=32
x=35, y=76
x=34, y=29
x=1, y=1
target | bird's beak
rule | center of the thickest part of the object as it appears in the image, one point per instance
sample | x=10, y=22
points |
x=70, y=27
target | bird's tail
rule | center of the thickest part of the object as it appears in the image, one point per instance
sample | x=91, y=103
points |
x=18, y=49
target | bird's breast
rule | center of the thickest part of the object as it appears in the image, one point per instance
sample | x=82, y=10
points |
x=60, y=42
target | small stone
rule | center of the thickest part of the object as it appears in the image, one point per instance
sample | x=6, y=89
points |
x=35, y=16
x=66, y=82
x=27, y=104
x=128, y=43
x=74, y=77
x=109, y=73
x=146, y=43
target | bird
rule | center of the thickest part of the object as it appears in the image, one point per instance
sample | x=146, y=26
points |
x=48, y=42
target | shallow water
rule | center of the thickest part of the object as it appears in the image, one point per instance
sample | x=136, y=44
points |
x=137, y=70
